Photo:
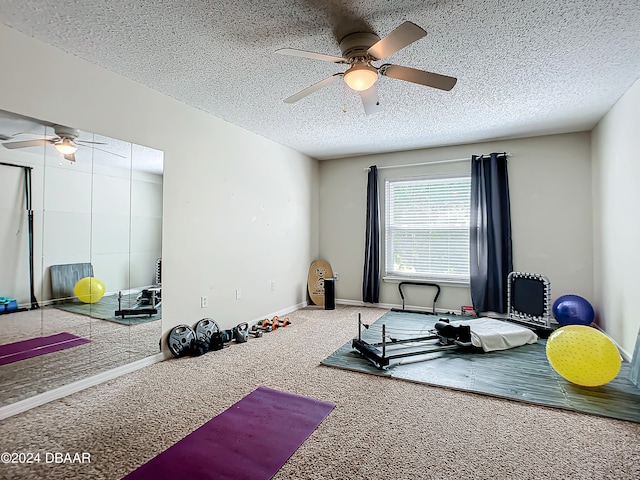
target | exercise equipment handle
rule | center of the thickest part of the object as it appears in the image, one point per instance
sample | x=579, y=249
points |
x=423, y=284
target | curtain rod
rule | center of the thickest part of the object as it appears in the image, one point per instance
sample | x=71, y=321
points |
x=383, y=167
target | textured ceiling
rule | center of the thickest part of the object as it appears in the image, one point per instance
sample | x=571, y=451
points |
x=524, y=67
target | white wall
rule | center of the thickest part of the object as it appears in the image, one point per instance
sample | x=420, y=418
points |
x=240, y=211
x=616, y=171
x=550, y=189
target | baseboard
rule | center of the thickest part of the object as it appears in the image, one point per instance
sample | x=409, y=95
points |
x=626, y=356
x=279, y=313
x=66, y=390
x=358, y=303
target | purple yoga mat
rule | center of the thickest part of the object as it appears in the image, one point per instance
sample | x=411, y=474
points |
x=13, y=352
x=250, y=440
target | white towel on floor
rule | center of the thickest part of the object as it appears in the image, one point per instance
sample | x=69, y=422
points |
x=492, y=334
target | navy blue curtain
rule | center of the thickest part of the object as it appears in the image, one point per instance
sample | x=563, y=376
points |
x=371, y=276
x=490, y=242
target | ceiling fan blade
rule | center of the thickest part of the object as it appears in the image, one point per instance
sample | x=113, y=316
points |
x=87, y=141
x=370, y=100
x=106, y=151
x=71, y=157
x=26, y=143
x=420, y=77
x=313, y=88
x=404, y=35
x=314, y=56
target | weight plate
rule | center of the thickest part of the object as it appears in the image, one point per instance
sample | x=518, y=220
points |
x=181, y=340
x=205, y=329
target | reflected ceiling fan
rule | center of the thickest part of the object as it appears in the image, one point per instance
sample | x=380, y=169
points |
x=359, y=50
x=65, y=141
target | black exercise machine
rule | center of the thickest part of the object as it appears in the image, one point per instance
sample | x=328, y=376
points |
x=146, y=303
x=147, y=300
x=444, y=336
x=528, y=296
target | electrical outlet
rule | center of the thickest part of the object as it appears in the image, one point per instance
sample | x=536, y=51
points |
x=336, y=275
x=204, y=302
x=238, y=294
x=273, y=286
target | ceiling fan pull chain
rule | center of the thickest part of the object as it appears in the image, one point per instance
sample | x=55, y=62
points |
x=344, y=97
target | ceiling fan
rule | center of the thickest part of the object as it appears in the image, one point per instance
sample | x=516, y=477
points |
x=65, y=141
x=359, y=50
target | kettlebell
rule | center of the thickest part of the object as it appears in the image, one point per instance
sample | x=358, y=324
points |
x=241, y=332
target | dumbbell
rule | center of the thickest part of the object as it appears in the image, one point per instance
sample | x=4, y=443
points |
x=255, y=331
x=266, y=325
x=259, y=328
x=276, y=322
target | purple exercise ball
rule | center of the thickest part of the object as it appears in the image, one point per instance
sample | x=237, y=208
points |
x=573, y=310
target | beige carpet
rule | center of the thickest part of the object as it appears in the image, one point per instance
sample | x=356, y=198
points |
x=381, y=428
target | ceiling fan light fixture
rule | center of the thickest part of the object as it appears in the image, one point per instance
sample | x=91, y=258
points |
x=361, y=77
x=65, y=146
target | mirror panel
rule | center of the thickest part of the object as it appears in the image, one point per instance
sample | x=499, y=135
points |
x=111, y=231
x=66, y=240
x=99, y=214
x=19, y=168
x=145, y=248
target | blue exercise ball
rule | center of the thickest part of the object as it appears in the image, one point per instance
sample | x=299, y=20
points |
x=573, y=310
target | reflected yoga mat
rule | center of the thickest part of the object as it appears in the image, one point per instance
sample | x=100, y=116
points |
x=13, y=352
x=252, y=439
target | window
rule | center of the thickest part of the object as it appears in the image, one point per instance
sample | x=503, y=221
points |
x=427, y=227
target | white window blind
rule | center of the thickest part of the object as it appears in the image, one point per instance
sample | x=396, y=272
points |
x=427, y=227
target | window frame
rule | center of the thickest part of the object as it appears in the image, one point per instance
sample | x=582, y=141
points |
x=385, y=231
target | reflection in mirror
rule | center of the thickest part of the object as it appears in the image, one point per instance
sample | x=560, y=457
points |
x=87, y=222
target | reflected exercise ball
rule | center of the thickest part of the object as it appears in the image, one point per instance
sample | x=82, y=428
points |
x=573, y=310
x=583, y=355
x=89, y=290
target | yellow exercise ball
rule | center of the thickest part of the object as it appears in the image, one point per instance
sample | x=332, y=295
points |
x=583, y=355
x=89, y=290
